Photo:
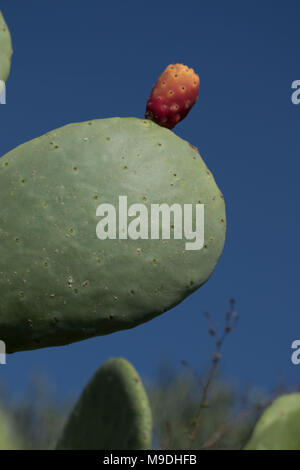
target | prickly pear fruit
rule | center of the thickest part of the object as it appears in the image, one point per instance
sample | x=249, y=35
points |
x=59, y=282
x=173, y=95
x=113, y=412
x=279, y=426
x=5, y=50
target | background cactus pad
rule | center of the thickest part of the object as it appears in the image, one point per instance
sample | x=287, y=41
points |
x=279, y=426
x=112, y=413
x=5, y=49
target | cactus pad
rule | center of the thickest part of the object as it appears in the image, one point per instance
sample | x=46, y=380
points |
x=59, y=282
x=112, y=413
x=8, y=438
x=5, y=50
x=279, y=426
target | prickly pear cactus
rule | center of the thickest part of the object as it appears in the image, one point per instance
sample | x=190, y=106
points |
x=112, y=413
x=8, y=438
x=279, y=426
x=59, y=282
x=5, y=50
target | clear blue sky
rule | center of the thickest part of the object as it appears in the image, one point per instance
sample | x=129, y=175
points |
x=76, y=61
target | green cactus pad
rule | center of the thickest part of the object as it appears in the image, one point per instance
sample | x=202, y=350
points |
x=279, y=426
x=8, y=438
x=59, y=282
x=112, y=413
x=5, y=50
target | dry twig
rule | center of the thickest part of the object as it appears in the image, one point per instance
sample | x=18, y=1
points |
x=231, y=319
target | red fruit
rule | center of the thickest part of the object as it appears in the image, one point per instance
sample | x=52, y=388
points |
x=173, y=95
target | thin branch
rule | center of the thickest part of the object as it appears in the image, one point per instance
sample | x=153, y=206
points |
x=231, y=319
x=194, y=373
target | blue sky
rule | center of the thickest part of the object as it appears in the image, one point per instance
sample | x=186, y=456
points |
x=83, y=60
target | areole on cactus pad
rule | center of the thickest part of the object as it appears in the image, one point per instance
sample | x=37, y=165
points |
x=59, y=282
